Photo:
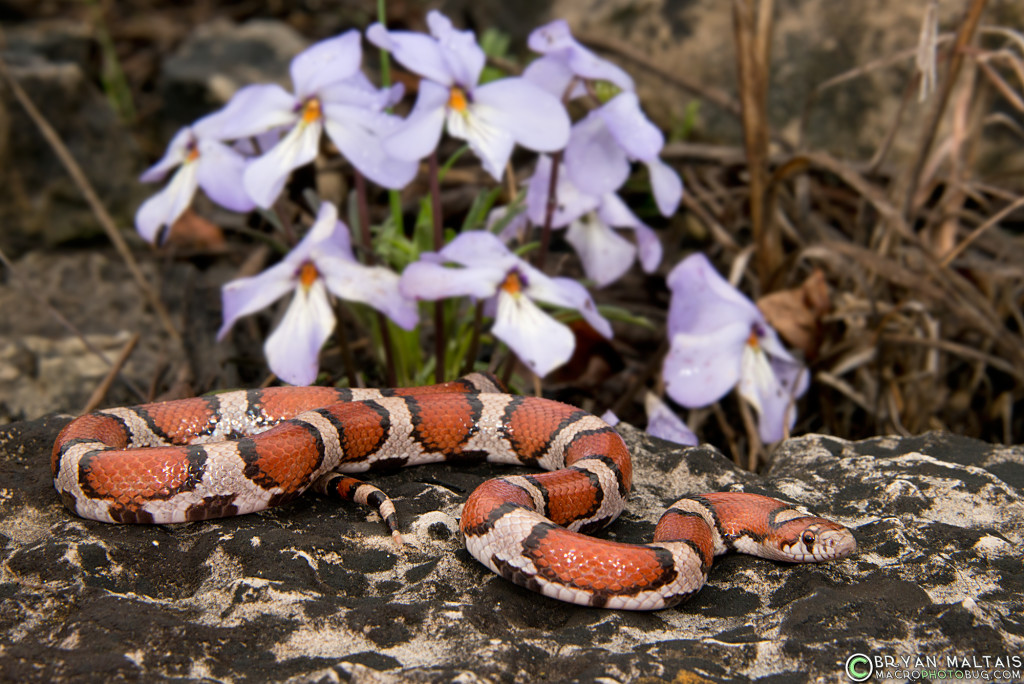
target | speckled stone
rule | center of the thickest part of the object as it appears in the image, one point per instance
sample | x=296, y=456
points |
x=315, y=592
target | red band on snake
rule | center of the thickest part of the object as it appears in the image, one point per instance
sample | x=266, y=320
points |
x=239, y=452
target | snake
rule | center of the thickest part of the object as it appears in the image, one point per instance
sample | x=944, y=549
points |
x=242, y=451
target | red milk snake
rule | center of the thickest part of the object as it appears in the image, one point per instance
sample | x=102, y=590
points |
x=239, y=452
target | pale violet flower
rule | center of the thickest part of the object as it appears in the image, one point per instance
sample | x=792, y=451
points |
x=565, y=59
x=663, y=422
x=590, y=220
x=322, y=262
x=720, y=340
x=608, y=138
x=603, y=144
x=492, y=118
x=477, y=264
x=200, y=160
x=331, y=95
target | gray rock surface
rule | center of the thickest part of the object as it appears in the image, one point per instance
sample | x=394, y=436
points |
x=314, y=591
x=220, y=57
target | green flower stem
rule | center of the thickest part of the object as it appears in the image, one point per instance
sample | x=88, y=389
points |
x=346, y=348
x=435, y=215
x=474, y=342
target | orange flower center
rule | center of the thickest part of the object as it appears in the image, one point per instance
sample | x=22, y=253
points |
x=311, y=111
x=753, y=341
x=457, y=100
x=512, y=284
x=193, y=154
x=308, y=274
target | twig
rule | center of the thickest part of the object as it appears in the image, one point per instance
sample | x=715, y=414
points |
x=956, y=59
x=104, y=218
x=101, y=390
x=719, y=98
x=976, y=233
x=752, y=28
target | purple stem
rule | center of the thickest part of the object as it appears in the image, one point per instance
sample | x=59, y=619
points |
x=363, y=208
x=549, y=210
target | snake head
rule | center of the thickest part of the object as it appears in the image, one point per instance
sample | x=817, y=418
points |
x=812, y=540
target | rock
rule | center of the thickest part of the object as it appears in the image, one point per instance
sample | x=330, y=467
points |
x=220, y=57
x=313, y=591
x=56, y=40
x=39, y=203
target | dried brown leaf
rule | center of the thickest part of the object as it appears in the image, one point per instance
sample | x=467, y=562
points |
x=796, y=314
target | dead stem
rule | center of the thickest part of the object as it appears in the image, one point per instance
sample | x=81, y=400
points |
x=752, y=25
x=101, y=390
x=956, y=58
x=100, y=211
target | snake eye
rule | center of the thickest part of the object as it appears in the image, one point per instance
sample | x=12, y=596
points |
x=808, y=538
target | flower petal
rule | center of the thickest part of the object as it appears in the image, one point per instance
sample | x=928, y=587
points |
x=564, y=292
x=243, y=296
x=220, y=171
x=556, y=39
x=640, y=138
x=326, y=62
x=252, y=110
x=614, y=212
x=480, y=249
x=462, y=55
x=418, y=53
x=594, y=160
x=419, y=135
x=357, y=91
x=164, y=208
x=175, y=155
x=373, y=285
x=772, y=399
x=357, y=133
x=432, y=281
x=265, y=177
x=700, y=369
x=664, y=423
x=489, y=141
x=666, y=186
x=328, y=237
x=605, y=254
x=533, y=117
x=541, y=342
x=702, y=300
x=292, y=349
x=554, y=76
x=570, y=201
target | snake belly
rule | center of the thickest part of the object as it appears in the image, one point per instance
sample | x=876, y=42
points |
x=244, y=451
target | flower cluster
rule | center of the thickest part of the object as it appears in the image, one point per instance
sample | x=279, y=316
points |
x=243, y=156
